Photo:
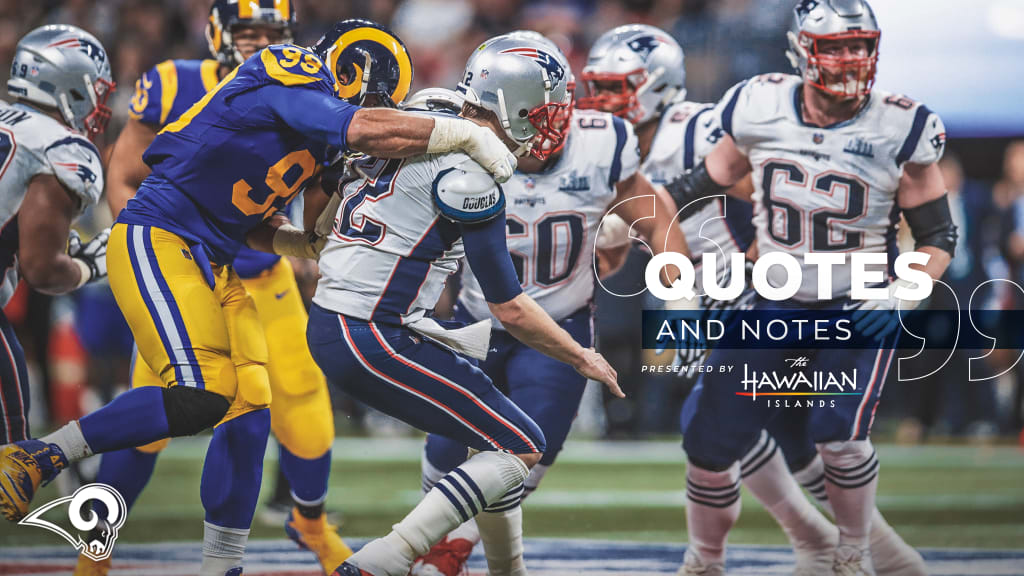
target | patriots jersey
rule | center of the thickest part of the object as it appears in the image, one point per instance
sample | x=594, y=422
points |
x=552, y=217
x=391, y=249
x=34, y=144
x=162, y=95
x=830, y=189
x=243, y=151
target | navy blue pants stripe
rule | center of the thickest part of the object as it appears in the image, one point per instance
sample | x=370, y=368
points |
x=14, y=390
x=422, y=383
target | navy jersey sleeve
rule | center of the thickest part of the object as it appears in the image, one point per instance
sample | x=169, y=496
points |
x=488, y=256
x=318, y=115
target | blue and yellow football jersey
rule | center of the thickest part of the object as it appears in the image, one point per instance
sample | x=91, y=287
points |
x=162, y=95
x=240, y=153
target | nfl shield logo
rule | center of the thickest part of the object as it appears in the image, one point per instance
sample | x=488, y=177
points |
x=818, y=138
x=529, y=183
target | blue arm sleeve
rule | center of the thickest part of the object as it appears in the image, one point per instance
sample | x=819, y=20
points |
x=313, y=112
x=488, y=255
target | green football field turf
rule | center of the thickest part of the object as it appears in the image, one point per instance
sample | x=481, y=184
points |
x=936, y=496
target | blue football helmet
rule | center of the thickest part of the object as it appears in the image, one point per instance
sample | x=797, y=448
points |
x=226, y=15
x=366, y=59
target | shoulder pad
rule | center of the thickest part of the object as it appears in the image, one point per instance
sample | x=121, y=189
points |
x=466, y=193
x=76, y=164
x=147, y=103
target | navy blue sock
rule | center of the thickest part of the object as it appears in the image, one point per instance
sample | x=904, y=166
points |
x=128, y=471
x=134, y=418
x=233, y=470
x=308, y=479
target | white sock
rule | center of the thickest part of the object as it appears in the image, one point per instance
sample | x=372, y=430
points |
x=502, y=534
x=712, y=507
x=70, y=441
x=851, y=480
x=765, y=474
x=463, y=493
x=533, y=480
x=222, y=549
x=812, y=478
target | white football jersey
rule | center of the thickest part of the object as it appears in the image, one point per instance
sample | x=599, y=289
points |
x=391, y=250
x=687, y=132
x=33, y=144
x=552, y=217
x=830, y=189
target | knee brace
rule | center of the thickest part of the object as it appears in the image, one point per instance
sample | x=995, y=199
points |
x=191, y=410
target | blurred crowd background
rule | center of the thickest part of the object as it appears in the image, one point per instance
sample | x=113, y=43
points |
x=79, y=347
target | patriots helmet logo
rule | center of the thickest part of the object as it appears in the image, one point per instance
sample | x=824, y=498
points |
x=644, y=45
x=547, y=61
x=87, y=47
x=804, y=8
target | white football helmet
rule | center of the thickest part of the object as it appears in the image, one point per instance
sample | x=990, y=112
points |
x=817, y=20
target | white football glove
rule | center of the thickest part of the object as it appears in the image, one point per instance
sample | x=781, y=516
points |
x=480, y=143
x=91, y=257
x=878, y=318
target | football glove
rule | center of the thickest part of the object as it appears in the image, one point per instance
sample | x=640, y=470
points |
x=91, y=257
x=479, y=143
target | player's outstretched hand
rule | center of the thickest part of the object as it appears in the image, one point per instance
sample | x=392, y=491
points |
x=91, y=255
x=489, y=151
x=595, y=367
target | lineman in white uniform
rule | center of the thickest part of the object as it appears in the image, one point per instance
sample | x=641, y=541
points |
x=833, y=164
x=49, y=174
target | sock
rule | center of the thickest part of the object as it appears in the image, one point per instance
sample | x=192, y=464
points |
x=222, y=549
x=812, y=477
x=127, y=471
x=765, y=474
x=712, y=507
x=533, y=480
x=134, y=418
x=233, y=470
x=70, y=440
x=483, y=479
x=501, y=530
x=851, y=480
x=308, y=479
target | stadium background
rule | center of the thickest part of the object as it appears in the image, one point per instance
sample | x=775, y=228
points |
x=952, y=468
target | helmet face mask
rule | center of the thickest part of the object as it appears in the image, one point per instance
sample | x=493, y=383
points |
x=634, y=71
x=96, y=122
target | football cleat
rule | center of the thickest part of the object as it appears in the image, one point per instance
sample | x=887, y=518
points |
x=694, y=566
x=814, y=558
x=23, y=467
x=852, y=561
x=318, y=537
x=88, y=567
x=347, y=569
x=447, y=558
x=892, y=556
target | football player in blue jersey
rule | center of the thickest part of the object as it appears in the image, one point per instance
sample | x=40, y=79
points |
x=400, y=231
x=300, y=413
x=220, y=175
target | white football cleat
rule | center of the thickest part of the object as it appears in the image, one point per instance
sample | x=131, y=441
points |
x=694, y=566
x=852, y=561
x=815, y=558
x=891, y=555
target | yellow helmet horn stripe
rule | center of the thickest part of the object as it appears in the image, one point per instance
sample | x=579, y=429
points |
x=385, y=39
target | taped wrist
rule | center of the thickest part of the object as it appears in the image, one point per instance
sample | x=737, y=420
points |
x=290, y=241
x=87, y=272
x=449, y=134
x=692, y=185
x=191, y=410
x=931, y=224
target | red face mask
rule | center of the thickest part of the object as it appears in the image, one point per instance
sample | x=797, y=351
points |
x=617, y=93
x=847, y=75
x=552, y=122
x=96, y=122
